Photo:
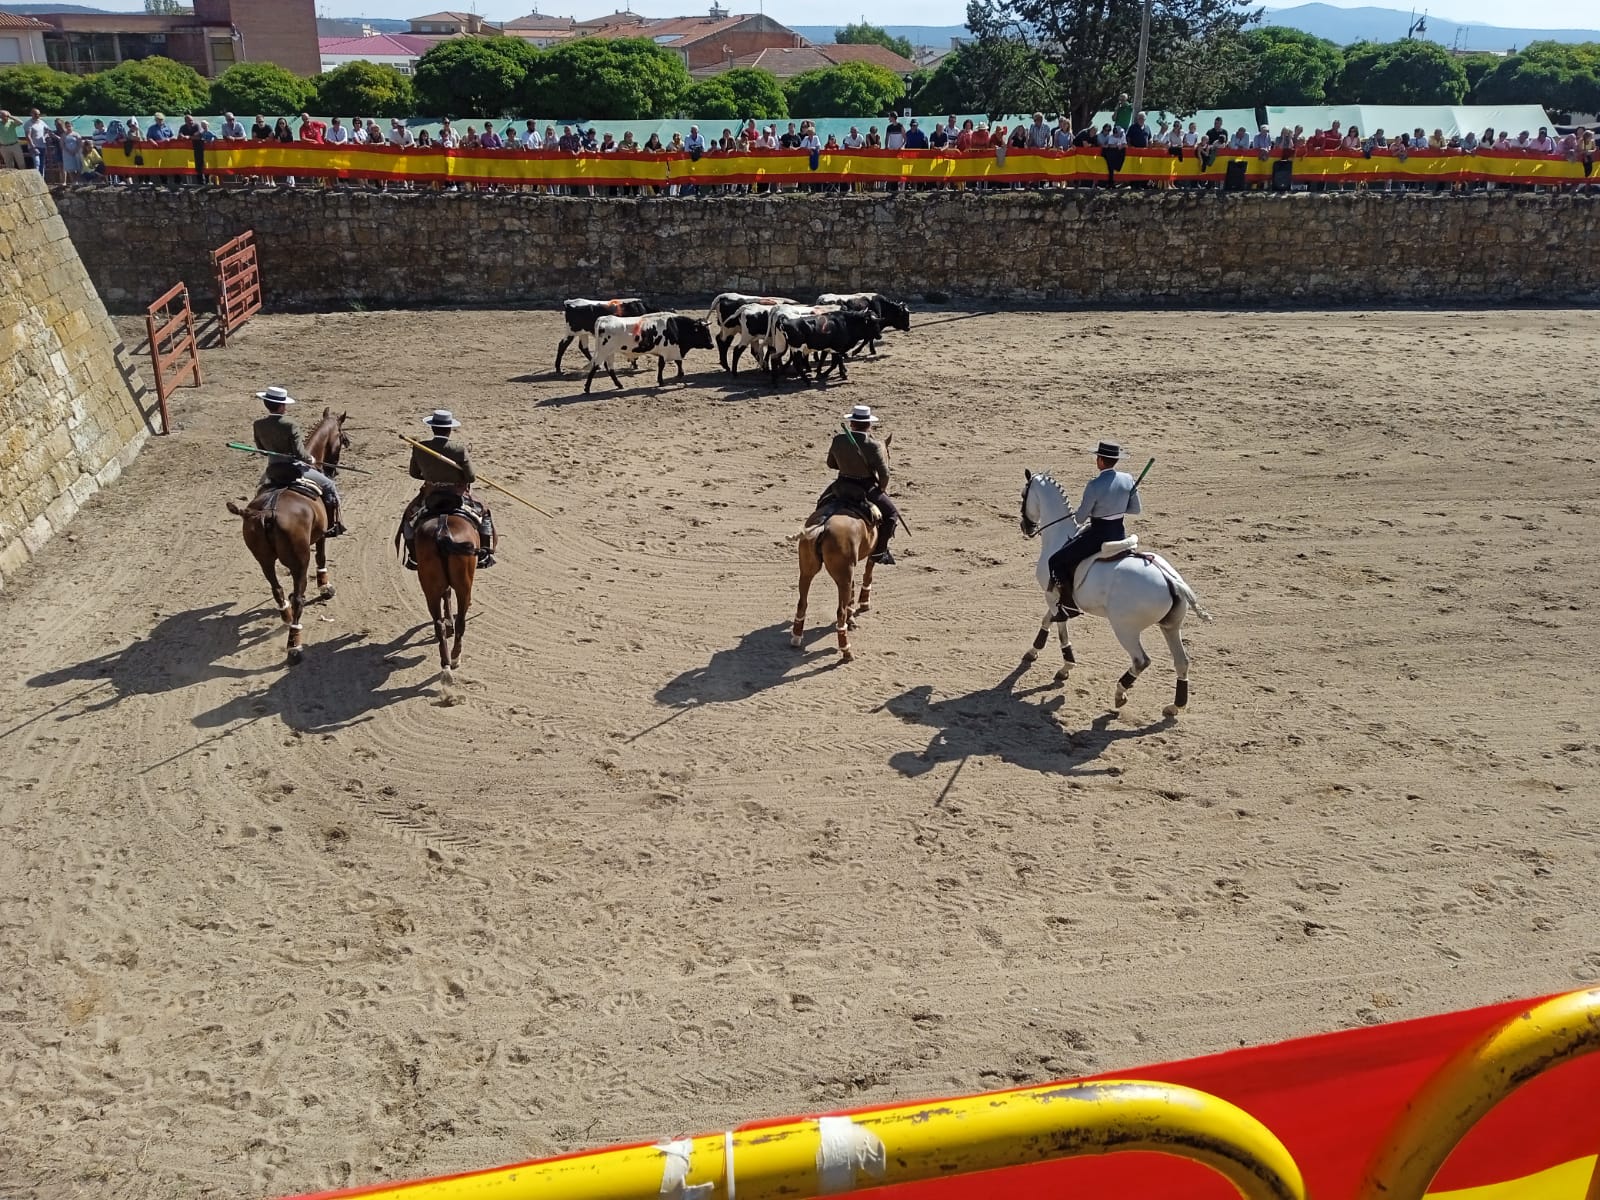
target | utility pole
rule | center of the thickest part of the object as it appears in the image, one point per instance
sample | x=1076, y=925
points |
x=1144, y=58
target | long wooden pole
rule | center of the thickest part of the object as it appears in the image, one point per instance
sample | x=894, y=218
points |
x=483, y=479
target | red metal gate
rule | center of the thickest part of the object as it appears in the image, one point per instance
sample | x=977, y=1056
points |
x=238, y=282
x=174, y=350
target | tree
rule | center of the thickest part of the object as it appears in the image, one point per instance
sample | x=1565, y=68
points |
x=149, y=85
x=862, y=34
x=367, y=90
x=473, y=77
x=1093, y=45
x=35, y=86
x=854, y=89
x=1561, y=76
x=710, y=100
x=1477, y=66
x=757, y=93
x=607, y=79
x=260, y=87
x=1286, y=66
x=163, y=6
x=1410, y=71
x=998, y=77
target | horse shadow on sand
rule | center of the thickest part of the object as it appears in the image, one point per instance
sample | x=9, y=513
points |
x=341, y=682
x=1002, y=722
x=762, y=659
x=179, y=651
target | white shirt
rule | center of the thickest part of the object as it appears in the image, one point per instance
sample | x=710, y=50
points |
x=338, y=135
x=895, y=142
x=448, y=138
x=770, y=142
x=854, y=141
x=1110, y=495
x=532, y=141
x=37, y=132
x=358, y=136
x=809, y=142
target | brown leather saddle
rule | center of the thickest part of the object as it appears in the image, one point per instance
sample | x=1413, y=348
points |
x=841, y=498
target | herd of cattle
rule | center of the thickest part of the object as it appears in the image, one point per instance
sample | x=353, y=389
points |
x=783, y=336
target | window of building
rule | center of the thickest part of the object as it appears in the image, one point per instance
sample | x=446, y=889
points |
x=222, y=55
x=141, y=45
x=10, y=50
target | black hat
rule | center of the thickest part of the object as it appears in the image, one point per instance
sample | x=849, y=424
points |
x=1110, y=450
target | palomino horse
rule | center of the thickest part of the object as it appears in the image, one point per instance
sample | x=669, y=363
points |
x=446, y=549
x=282, y=525
x=838, y=543
x=1133, y=593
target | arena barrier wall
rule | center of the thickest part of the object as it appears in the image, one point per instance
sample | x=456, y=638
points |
x=271, y=160
x=1494, y=1103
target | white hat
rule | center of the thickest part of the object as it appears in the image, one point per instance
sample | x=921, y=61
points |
x=275, y=395
x=861, y=413
x=441, y=418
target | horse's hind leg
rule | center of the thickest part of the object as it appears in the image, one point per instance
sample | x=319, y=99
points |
x=268, y=562
x=865, y=601
x=810, y=555
x=438, y=611
x=463, y=587
x=324, y=588
x=298, y=568
x=1129, y=637
x=844, y=576
x=1172, y=630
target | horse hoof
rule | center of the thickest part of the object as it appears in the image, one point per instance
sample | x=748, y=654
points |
x=1030, y=656
x=1122, y=698
x=864, y=608
x=327, y=591
x=295, y=654
x=1061, y=675
x=287, y=614
x=446, y=675
x=1171, y=710
x=456, y=661
x=796, y=642
x=847, y=656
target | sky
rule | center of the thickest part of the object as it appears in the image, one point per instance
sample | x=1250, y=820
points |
x=1528, y=14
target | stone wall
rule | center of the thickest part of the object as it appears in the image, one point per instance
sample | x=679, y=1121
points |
x=70, y=416
x=324, y=249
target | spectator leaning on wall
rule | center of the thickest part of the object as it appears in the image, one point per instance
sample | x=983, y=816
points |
x=11, y=142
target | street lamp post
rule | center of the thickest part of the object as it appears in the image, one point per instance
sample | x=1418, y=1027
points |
x=1144, y=58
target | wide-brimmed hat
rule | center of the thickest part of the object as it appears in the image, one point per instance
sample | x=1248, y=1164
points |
x=441, y=418
x=861, y=414
x=1111, y=450
x=275, y=395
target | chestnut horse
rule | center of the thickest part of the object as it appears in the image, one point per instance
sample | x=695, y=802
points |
x=838, y=543
x=327, y=441
x=285, y=526
x=446, y=549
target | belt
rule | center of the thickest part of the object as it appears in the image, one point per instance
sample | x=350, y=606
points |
x=1106, y=520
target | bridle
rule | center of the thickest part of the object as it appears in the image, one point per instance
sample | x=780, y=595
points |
x=1029, y=529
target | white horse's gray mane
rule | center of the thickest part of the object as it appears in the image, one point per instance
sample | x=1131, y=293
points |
x=1051, y=480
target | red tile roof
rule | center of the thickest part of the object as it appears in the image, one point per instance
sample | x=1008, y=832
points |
x=788, y=61
x=16, y=21
x=384, y=45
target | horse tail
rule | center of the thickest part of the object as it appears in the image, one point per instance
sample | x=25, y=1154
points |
x=236, y=510
x=265, y=515
x=1180, y=586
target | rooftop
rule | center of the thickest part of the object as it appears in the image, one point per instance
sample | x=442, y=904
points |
x=788, y=61
x=384, y=45
x=17, y=21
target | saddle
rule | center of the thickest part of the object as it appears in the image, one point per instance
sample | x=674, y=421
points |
x=303, y=486
x=844, y=499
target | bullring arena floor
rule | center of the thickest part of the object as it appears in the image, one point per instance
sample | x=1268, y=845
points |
x=648, y=870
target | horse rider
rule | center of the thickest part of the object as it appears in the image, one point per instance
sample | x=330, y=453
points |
x=1109, y=496
x=863, y=471
x=445, y=479
x=280, y=436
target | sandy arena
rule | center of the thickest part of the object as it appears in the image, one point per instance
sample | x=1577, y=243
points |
x=647, y=870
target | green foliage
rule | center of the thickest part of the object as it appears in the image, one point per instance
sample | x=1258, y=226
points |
x=1560, y=76
x=862, y=34
x=473, y=77
x=995, y=77
x=364, y=89
x=150, y=85
x=1093, y=45
x=855, y=89
x=1410, y=71
x=757, y=93
x=260, y=87
x=605, y=79
x=35, y=85
x=1286, y=66
x=1478, y=66
x=710, y=100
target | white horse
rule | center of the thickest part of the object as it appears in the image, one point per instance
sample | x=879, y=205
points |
x=1133, y=592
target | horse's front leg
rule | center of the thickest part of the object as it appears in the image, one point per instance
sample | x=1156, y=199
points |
x=1043, y=635
x=1068, y=658
x=324, y=588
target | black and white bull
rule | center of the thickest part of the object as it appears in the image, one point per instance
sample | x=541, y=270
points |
x=581, y=316
x=757, y=323
x=824, y=333
x=723, y=317
x=667, y=336
x=893, y=314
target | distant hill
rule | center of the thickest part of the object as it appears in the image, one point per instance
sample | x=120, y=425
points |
x=331, y=27
x=918, y=35
x=27, y=9
x=1346, y=25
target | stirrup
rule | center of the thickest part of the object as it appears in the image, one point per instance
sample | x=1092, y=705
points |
x=485, y=559
x=336, y=529
x=883, y=557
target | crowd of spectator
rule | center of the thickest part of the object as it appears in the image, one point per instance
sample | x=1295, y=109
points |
x=64, y=153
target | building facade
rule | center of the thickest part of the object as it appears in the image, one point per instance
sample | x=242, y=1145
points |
x=211, y=37
x=21, y=40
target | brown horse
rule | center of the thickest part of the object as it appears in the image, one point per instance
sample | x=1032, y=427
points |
x=327, y=441
x=285, y=526
x=282, y=525
x=446, y=548
x=838, y=543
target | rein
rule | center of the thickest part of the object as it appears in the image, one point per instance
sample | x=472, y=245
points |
x=1038, y=529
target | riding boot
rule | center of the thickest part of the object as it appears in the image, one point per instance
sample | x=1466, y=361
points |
x=487, y=538
x=335, y=526
x=880, y=550
x=410, y=562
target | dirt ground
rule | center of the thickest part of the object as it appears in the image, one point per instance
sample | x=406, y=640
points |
x=646, y=869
